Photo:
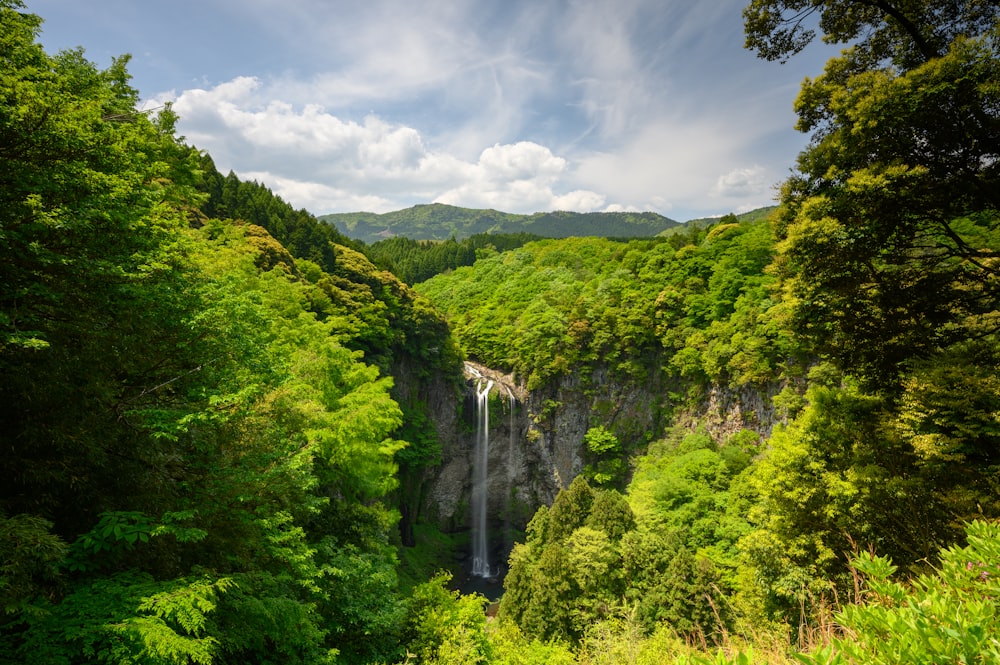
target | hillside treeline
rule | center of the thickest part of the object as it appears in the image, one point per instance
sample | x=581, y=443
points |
x=439, y=222
x=202, y=452
x=198, y=431
x=867, y=304
x=415, y=261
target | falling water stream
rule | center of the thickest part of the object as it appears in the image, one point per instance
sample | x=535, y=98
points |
x=480, y=481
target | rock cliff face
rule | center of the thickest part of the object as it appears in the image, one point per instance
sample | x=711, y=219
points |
x=517, y=483
x=537, y=438
x=536, y=442
x=725, y=411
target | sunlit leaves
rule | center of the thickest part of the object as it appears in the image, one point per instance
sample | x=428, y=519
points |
x=125, y=617
x=552, y=306
x=836, y=478
x=948, y=616
x=889, y=232
x=445, y=627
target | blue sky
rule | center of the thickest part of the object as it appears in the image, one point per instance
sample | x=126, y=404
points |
x=517, y=105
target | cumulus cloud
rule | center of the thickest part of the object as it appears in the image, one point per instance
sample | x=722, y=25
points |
x=316, y=160
x=741, y=182
x=228, y=117
x=518, y=178
x=521, y=161
x=512, y=104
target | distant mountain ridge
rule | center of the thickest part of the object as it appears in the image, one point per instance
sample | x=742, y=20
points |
x=437, y=221
x=749, y=216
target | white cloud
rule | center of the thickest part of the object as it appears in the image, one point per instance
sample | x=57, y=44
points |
x=632, y=105
x=229, y=113
x=518, y=178
x=741, y=182
x=520, y=161
x=316, y=160
x=320, y=161
x=321, y=197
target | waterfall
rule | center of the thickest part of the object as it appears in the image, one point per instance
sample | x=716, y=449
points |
x=480, y=481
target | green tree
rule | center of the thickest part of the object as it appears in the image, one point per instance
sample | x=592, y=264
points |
x=446, y=627
x=907, y=32
x=570, y=509
x=837, y=478
x=568, y=573
x=94, y=298
x=888, y=248
x=948, y=616
x=605, y=451
x=195, y=461
x=889, y=228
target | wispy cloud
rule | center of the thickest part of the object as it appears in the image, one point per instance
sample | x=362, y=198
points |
x=311, y=155
x=515, y=105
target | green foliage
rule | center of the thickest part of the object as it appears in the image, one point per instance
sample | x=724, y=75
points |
x=605, y=450
x=115, y=536
x=201, y=434
x=415, y=261
x=72, y=177
x=301, y=233
x=623, y=640
x=949, y=616
x=668, y=585
x=29, y=560
x=950, y=410
x=885, y=267
x=837, y=478
x=559, y=304
x=682, y=487
x=568, y=573
x=678, y=560
x=586, y=559
x=906, y=33
x=124, y=618
x=445, y=626
x=441, y=222
x=182, y=402
x=432, y=552
x=888, y=230
x=509, y=646
x=94, y=278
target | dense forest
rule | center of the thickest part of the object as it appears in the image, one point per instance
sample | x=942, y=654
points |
x=438, y=221
x=214, y=411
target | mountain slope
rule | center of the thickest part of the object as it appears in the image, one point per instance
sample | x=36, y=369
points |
x=437, y=221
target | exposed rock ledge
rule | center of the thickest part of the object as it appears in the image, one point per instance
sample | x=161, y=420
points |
x=474, y=371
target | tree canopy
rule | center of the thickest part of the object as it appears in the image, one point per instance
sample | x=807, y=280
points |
x=906, y=33
x=214, y=417
x=198, y=459
x=889, y=226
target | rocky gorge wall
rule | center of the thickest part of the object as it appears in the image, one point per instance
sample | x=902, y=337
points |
x=537, y=438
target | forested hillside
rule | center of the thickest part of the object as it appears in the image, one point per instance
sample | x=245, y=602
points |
x=197, y=421
x=414, y=261
x=442, y=222
x=216, y=428
x=712, y=533
x=868, y=298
